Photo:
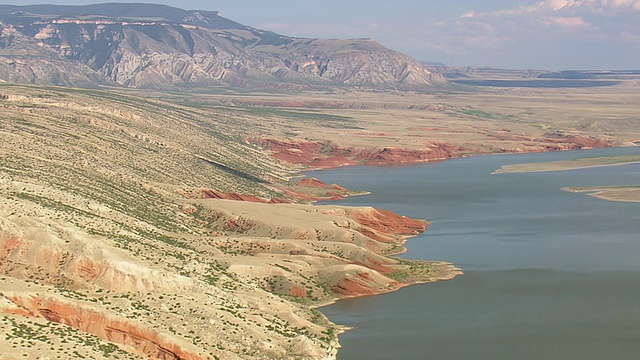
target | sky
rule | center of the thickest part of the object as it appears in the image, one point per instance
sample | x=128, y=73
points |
x=514, y=34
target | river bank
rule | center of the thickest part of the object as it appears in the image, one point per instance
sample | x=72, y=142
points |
x=517, y=237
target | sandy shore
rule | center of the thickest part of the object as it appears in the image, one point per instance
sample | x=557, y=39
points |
x=574, y=164
x=610, y=193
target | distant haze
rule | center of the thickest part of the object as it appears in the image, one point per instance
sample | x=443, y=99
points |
x=549, y=34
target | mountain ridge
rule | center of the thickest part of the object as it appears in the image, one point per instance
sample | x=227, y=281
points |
x=156, y=46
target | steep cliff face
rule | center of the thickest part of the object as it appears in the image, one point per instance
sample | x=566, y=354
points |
x=197, y=48
x=22, y=60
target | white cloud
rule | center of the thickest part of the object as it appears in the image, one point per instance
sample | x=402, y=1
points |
x=598, y=16
x=556, y=5
x=538, y=34
x=581, y=5
x=569, y=22
x=555, y=33
x=633, y=4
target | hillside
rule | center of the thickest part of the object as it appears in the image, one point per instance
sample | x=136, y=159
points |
x=121, y=234
x=159, y=47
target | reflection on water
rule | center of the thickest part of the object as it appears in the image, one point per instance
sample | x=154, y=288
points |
x=548, y=274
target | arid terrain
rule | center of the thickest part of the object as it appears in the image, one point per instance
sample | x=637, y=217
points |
x=140, y=224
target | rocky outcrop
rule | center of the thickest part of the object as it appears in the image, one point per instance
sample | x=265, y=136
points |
x=315, y=183
x=387, y=222
x=381, y=225
x=24, y=61
x=398, y=156
x=327, y=155
x=563, y=141
x=90, y=318
x=323, y=155
x=356, y=280
x=213, y=194
x=81, y=265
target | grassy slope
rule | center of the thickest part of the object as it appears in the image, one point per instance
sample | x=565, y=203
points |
x=95, y=174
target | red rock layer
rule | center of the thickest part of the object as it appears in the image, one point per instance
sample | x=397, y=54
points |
x=213, y=194
x=358, y=285
x=327, y=155
x=297, y=291
x=387, y=222
x=396, y=156
x=574, y=142
x=315, y=183
x=146, y=341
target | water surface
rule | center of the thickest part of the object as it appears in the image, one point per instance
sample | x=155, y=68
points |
x=539, y=83
x=548, y=274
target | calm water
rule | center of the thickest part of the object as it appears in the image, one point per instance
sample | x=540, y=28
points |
x=540, y=83
x=548, y=274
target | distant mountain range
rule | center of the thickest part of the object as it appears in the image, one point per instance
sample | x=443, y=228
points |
x=161, y=47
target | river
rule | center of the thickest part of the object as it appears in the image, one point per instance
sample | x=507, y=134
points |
x=549, y=274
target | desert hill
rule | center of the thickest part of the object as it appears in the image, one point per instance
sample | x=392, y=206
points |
x=155, y=46
x=143, y=228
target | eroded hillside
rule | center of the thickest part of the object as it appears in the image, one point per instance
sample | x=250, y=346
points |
x=114, y=238
x=159, y=47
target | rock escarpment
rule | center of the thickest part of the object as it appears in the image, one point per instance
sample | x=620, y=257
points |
x=327, y=154
x=179, y=49
x=89, y=318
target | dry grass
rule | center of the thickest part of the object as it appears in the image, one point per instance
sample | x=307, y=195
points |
x=483, y=119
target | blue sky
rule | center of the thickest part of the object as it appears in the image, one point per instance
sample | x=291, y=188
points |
x=538, y=34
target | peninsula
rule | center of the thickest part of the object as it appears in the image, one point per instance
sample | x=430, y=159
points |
x=611, y=193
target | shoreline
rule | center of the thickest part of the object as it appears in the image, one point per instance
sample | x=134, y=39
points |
x=444, y=270
x=452, y=270
x=627, y=193
x=565, y=165
x=300, y=173
x=340, y=329
x=499, y=171
x=506, y=278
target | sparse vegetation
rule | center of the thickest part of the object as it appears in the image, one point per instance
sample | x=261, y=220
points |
x=111, y=186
